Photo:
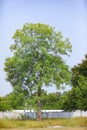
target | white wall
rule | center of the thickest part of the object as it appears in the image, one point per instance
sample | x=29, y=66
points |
x=45, y=113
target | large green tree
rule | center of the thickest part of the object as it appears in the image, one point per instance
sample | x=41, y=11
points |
x=37, y=60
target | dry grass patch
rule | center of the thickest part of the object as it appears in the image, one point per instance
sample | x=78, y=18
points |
x=74, y=122
x=63, y=128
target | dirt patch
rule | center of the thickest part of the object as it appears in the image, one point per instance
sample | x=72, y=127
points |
x=55, y=126
x=67, y=128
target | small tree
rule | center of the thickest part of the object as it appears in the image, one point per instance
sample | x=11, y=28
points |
x=37, y=60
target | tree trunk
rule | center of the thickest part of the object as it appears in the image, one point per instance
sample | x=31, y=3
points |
x=39, y=113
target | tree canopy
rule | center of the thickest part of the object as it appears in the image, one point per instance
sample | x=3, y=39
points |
x=76, y=98
x=37, y=60
x=79, y=70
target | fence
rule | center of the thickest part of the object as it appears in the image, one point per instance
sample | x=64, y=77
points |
x=45, y=114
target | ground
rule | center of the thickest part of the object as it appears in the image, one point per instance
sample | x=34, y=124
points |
x=51, y=128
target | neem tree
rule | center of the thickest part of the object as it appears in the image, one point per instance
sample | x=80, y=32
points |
x=37, y=60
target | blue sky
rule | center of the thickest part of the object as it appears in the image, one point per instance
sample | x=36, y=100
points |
x=67, y=16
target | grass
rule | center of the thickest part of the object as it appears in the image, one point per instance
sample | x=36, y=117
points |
x=77, y=123
x=64, y=128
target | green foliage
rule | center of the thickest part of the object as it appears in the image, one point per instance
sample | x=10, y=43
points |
x=51, y=101
x=4, y=105
x=16, y=100
x=76, y=98
x=37, y=59
x=79, y=70
x=48, y=101
x=12, y=101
